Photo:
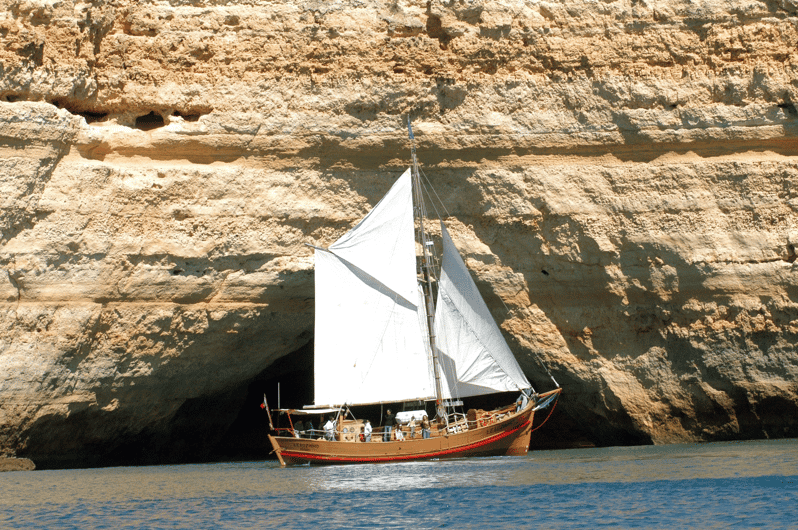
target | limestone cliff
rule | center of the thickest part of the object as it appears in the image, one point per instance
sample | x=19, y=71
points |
x=621, y=176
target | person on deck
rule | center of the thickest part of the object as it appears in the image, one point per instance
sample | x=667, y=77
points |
x=412, y=426
x=299, y=427
x=367, y=431
x=425, y=427
x=329, y=430
x=400, y=437
x=388, y=426
x=309, y=429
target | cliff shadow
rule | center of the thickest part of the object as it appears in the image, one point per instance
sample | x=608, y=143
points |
x=556, y=286
x=286, y=383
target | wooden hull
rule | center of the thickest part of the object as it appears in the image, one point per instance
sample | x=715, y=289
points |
x=507, y=436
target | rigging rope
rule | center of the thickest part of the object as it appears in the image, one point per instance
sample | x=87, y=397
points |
x=547, y=416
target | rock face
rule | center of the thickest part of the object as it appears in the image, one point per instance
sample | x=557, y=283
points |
x=16, y=464
x=621, y=177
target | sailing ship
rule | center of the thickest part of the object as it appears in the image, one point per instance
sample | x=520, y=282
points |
x=394, y=327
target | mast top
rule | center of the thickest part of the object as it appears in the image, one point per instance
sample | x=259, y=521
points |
x=412, y=146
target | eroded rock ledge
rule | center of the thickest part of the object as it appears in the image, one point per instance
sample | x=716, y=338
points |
x=620, y=175
x=16, y=464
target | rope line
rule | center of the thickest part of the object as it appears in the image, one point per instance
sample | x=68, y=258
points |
x=547, y=417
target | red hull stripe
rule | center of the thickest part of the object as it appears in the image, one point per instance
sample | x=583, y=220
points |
x=308, y=456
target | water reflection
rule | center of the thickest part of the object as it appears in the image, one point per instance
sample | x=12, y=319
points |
x=642, y=486
x=388, y=477
x=610, y=465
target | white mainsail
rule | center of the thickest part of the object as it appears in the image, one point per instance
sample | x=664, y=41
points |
x=472, y=352
x=371, y=340
x=369, y=345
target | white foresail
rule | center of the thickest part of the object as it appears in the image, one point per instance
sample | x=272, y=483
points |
x=369, y=347
x=473, y=354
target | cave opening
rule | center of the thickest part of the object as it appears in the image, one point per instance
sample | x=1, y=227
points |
x=149, y=121
x=186, y=116
x=287, y=383
x=789, y=108
x=93, y=117
x=231, y=425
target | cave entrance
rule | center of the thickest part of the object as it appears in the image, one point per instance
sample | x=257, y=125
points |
x=246, y=438
x=149, y=121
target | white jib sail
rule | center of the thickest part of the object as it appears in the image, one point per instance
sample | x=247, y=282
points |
x=473, y=354
x=369, y=347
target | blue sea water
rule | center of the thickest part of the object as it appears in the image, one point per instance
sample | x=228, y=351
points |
x=719, y=485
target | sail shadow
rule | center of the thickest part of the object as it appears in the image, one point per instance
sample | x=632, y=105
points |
x=458, y=389
x=374, y=283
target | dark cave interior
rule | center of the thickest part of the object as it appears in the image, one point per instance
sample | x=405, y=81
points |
x=232, y=425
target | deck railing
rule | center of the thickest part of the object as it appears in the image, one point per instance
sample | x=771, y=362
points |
x=458, y=422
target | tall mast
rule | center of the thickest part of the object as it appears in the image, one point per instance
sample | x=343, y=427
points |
x=426, y=267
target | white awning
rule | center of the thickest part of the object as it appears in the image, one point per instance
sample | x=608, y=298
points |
x=406, y=415
x=307, y=412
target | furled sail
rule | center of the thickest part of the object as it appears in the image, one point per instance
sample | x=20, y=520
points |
x=472, y=352
x=369, y=346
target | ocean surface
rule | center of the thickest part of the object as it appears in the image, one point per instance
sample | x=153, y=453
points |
x=718, y=485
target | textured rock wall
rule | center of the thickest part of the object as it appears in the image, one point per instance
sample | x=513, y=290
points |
x=620, y=175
